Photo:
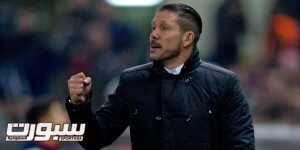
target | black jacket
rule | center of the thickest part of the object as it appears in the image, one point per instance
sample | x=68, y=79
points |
x=202, y=108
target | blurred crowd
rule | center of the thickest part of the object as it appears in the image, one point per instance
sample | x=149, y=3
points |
x=83, y=38
x=36, y=61
x=272, y=83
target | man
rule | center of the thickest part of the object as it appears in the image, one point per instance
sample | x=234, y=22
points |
x=176, y=102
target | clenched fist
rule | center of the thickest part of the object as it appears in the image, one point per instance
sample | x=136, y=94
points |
x=79, y=88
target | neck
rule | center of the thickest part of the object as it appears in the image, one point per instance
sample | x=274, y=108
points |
x=178, y=60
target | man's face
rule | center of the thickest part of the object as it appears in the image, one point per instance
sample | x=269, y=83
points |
x=165, y=37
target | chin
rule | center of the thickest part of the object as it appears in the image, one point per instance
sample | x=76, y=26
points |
x=153, y=57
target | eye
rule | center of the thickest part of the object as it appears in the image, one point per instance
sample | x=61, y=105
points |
x=164, y=27
x=153, y=28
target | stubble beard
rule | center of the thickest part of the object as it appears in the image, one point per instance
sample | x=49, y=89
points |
x=172, y=55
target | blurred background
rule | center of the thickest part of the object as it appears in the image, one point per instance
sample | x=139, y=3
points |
x=42, y=43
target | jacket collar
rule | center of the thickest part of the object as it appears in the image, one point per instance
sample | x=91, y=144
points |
x=191, y=64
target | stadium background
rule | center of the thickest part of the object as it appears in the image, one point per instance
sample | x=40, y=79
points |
x=43, y=42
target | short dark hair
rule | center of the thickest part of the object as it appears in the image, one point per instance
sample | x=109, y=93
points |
x=189, y=19
x=40, y=108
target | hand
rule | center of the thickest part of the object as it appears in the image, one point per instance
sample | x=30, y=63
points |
x=80, y=87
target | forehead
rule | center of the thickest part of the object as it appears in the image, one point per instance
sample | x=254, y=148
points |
x=165, y=16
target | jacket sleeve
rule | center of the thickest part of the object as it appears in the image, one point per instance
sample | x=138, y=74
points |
x=236, y=119
x=104, y=126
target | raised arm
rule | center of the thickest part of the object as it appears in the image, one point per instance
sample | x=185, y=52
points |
x=104, y=126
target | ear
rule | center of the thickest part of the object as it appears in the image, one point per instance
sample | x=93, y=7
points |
x=188, y=38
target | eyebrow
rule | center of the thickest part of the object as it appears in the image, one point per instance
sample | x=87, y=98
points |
x=162, y=22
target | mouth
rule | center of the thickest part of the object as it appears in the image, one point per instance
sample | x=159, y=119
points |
x=154, y=46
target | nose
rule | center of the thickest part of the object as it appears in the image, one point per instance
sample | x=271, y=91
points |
x=154, y=34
